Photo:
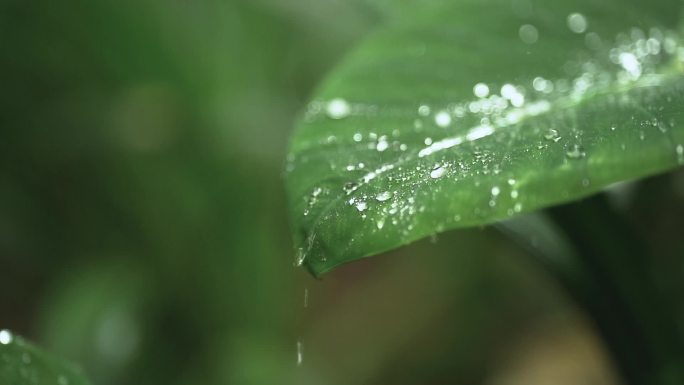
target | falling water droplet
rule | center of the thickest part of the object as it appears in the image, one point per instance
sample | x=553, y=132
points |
x=300, y=353
x=424, y=110
x=306, y=297
x=680, y=153
x=361, y=205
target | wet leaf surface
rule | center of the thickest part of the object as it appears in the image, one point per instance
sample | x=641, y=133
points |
x=462, y=114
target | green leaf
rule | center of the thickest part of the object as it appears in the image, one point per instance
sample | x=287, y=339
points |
x=22, y=363
x=457, y=114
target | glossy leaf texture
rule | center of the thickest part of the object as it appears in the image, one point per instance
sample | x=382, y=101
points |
x=457, y=114
x=22, y=363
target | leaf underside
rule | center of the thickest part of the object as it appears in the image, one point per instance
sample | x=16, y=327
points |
x=459, y=114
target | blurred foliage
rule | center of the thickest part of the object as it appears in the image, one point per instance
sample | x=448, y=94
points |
x=143, y=231
x=23, y=363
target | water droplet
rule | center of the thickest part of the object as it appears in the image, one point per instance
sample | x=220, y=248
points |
x=475, y=107
x=552, y=134
x=338, y=109
x=680, y=153
x=6, y=337
x=382, y=144
x=653, y=46
x=443, y=119
x=508, y=90
x=358, y=137
x=575, y=151
x=528, y=34
x=383, y=196
x=481, y=90
x=517, y=207
x=577, y=23
x=631, y=64
x=478, y=132
x=350, y=187
x=427, y=141
x=437, y=172
x=424, y=110
x=514, y=194
x=496, y=191
x=511, y=182
x=361, y=205
x=300, y=353
x=300, y=257
x=542, y=85
x=306, y=297
x=380, y=223
x=517, y=100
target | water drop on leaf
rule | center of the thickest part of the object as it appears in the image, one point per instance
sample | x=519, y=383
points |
x=575, y=151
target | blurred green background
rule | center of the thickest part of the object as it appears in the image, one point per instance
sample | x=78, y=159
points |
x=143, y=228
